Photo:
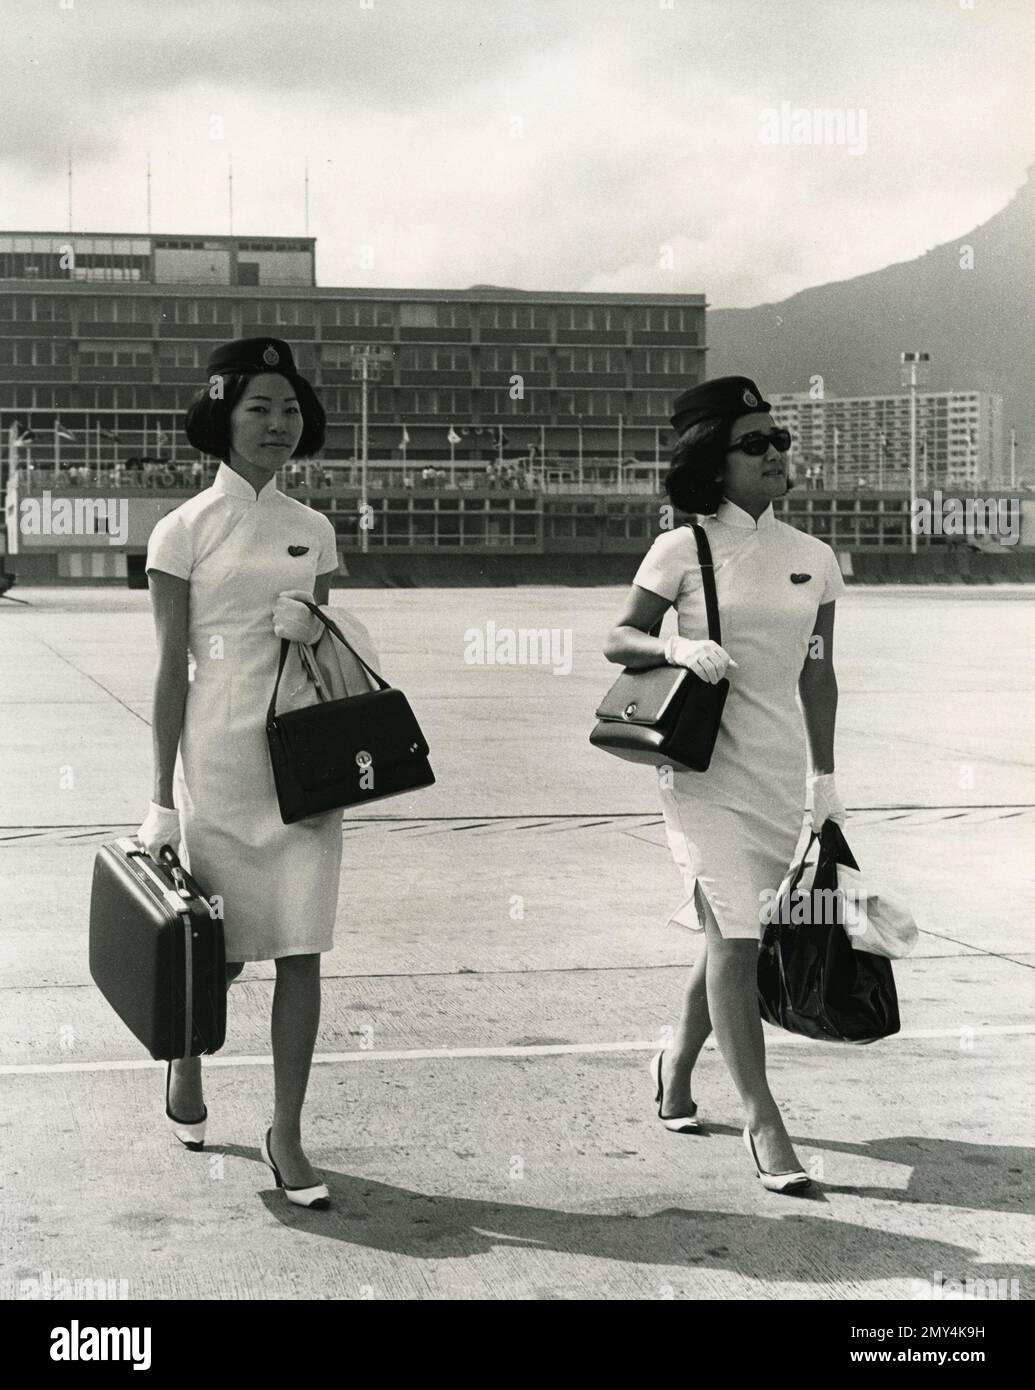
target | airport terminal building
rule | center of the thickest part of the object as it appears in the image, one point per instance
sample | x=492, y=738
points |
x=115, y=331
x=511, y=435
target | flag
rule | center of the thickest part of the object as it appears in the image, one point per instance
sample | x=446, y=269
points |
x=162, y=438
x=60, y=432
x=452, y=436
x=405, y=438
x=18, y=436
x=109, y=434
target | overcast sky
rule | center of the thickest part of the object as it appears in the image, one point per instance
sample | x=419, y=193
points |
x=545, y=144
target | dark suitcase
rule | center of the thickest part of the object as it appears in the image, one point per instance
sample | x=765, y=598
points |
x=156, y=950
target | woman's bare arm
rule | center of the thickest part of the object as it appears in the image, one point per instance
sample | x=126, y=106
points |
x=629, y=643
x=817, y=686
x=170, y=605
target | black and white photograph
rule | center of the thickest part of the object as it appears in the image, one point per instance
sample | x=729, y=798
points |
x=517, y=602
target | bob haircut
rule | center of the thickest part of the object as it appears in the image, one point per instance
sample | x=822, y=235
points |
x=208, y=421
x=694, y=482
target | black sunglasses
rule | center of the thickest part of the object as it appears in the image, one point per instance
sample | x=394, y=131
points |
x=757, y=442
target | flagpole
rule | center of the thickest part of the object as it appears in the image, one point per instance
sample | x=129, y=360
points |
x=57, y=452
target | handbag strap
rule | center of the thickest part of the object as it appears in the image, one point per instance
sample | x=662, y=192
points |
x=711, y=598
x=333, y=627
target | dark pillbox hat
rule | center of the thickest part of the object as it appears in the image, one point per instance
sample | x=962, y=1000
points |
x=252, y=355
x=723, y=395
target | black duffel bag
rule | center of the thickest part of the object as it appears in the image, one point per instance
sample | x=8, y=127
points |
x=811, y=980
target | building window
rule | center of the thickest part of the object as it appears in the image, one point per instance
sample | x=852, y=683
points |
x=663, y=361
x=113, y=354
x=515, y=317
x=178, y=354
x=418, y=316
x=662, y=318
x=50, y=310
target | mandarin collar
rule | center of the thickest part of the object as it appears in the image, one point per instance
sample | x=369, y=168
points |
x=227, y=480
x=733, y=515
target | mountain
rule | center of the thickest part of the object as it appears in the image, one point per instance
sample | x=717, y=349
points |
x=977, y=324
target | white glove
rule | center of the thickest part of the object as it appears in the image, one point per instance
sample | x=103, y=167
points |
x=826, y=804
x=161, y=827
x=706, y=659
x=293, y=620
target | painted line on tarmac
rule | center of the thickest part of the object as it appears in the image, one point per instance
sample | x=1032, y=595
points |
x=420, y=1054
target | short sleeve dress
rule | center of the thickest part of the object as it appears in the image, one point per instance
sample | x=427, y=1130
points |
x=733, y=829
x=278, y=884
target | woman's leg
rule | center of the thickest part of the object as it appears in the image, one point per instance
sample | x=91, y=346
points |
x=732, y=984
x=185, y=1093
x=692, y=1030
x=296, y=1018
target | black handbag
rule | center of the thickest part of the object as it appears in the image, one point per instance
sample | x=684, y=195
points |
x=811, y=980
x=347, y=752
x=667, y=715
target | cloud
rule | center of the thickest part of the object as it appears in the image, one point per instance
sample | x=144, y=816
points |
x=541, y=143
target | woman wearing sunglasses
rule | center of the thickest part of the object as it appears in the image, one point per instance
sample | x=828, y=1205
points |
x=733, y=829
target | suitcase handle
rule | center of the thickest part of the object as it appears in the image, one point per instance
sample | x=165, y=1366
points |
x=174, y=897
x=168, y=856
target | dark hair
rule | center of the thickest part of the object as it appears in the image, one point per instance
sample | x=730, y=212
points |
x=208, y=421
x=694, y=479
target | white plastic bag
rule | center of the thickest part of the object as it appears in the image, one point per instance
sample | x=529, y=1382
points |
x=876, y=920
x=339, y=673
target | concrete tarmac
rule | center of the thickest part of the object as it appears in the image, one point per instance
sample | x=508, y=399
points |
x=480, y=1104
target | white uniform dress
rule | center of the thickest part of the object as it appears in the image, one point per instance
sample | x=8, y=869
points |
x=278, y=883
x=733, y=829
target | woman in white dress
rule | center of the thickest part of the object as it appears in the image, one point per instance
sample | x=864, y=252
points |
x=227, y=570
x=733, y=829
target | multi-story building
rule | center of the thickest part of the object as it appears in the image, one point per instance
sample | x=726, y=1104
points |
x=105, y=338
x=865, y=440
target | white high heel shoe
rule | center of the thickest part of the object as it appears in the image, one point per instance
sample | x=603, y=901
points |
x=191, y=1136
x=678, y=1124
x=316, y=1198
x=794, y=1181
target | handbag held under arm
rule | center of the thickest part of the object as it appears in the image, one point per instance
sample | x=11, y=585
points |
x=667, y=715
x=347, y=752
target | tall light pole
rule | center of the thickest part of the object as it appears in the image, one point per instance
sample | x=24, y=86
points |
x=367, y=360
x=913, y=363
